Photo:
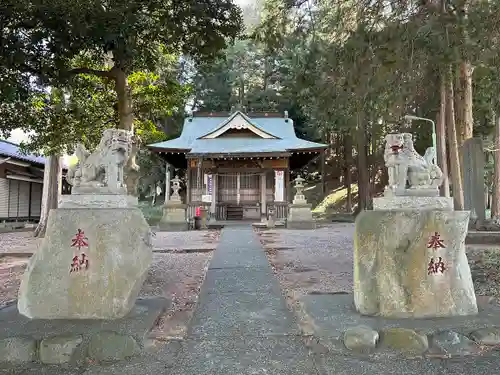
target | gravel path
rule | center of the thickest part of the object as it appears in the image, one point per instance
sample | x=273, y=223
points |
x=18, y=242
x=318, y=261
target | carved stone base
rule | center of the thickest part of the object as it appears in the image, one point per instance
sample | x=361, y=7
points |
x=413, y=203
x=412, y=264
x=174, y=217
x=419, y=192
x=98, y=201
x=300, y=217
x=116, y=242
x=98, y=190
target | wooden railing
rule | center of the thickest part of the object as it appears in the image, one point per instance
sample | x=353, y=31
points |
x=280, y=209
x=221, y=211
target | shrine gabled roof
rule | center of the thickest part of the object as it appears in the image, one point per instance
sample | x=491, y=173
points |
x=239, y=120
x=195, y=137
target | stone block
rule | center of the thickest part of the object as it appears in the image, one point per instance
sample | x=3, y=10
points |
x=486, y=336
x=473, y=177
x=116, y=244
x=451, y=343
x=360, y=338
x=17, y=350
x=300, y=217
x=60, y=349
x=412, y=264
x=404, y=340
x=413, y=203
x=300, y=212
x=111, y=346
x=174, y=217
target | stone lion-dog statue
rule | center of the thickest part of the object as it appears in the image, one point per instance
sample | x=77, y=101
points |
x=102, y=168
x=407, y=167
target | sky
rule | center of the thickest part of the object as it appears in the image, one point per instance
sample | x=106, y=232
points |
x=17, y=136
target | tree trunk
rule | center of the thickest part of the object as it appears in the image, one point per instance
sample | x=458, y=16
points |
x=126, y=122
x=466, y=70
x=441, y=141
x=495, y=204
x=125, y=109
x=456, y=179
x=52, y=185
x=458, y=95
x=363, y=171
x=372, y=161
x=348, y=170
x=323, y=165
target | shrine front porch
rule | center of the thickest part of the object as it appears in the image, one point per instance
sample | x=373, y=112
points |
x=231, y=194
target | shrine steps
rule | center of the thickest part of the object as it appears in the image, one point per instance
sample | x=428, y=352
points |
x=234, y=212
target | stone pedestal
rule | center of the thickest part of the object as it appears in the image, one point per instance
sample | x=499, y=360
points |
x=412, y=263
x=300, y=216
x=92, y=262
x=413, y=203
x=203, y=212
x=174, y=217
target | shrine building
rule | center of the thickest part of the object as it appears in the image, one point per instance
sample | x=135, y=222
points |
x=238, y=165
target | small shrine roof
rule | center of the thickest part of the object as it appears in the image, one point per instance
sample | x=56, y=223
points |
x=201, y=136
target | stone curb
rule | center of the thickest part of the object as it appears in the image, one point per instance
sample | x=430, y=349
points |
x=411, y=343
x=69, y=349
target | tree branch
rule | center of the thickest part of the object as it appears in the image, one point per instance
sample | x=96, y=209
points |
x=95, y=72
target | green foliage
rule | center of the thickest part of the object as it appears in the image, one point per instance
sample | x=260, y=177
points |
x=43, y=38
x=81, y=111
x=93, y=54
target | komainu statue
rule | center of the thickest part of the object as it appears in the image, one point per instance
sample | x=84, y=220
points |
x=102, y=170
x=408, y=170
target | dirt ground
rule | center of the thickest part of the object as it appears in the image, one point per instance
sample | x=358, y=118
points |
x=174, y=274
x=484, y=263
x=320, y=261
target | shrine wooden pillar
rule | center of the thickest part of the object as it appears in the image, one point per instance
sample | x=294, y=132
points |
x=263, y=195
x=188, y=182
x=213, y=205
x=238, y=187
x=287, y=184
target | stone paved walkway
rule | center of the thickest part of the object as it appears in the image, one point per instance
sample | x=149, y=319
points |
x=242, y=324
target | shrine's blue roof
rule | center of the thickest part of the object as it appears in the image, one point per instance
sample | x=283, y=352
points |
x=197, y=127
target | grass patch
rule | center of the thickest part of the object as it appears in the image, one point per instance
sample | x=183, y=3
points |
x=335, y=200
x=152, y=214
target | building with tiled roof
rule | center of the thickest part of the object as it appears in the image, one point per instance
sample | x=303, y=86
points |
x=21, y=183
x=238, y=164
